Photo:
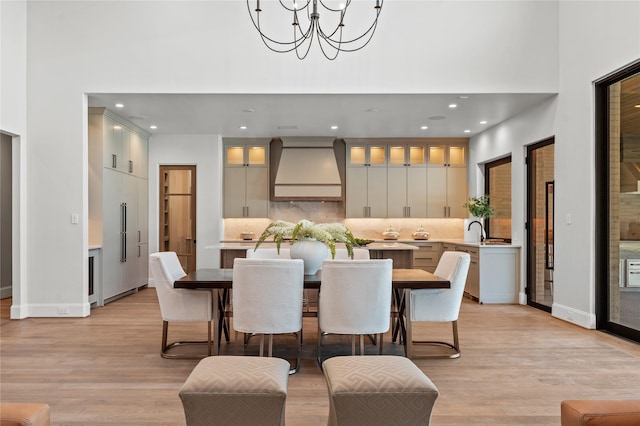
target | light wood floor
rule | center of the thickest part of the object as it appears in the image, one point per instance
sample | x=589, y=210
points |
x=517, y=365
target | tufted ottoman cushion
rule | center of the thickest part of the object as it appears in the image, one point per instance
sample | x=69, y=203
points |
x=378, y=390
x=236, y=390
x=600, y=412
x=24, y=414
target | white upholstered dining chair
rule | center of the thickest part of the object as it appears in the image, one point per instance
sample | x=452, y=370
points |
x=438, y=304
x=267, y=299
x=179, y=305
x=355, y=299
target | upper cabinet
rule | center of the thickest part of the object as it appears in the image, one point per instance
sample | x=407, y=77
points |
x=366, y=189
x=124, y=147
x=246, y=179
x=407, y=180
x=447, y=178
x=403, y=178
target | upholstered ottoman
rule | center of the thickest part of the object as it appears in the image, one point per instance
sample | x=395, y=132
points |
x=236, y=390
x=600, y=412
x=378, y=390
x=24, y=414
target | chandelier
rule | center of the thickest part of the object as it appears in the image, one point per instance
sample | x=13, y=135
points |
x=305, y=22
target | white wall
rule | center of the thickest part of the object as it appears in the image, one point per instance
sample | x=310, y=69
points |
x=595, y=38
x=183, y=47
x=13, y=121
x=203, y=151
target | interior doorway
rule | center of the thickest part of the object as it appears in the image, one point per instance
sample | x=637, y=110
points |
x=540, y=220
x=6, y=222
x=178, y=213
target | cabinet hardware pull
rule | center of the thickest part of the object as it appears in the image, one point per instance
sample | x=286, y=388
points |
x=130, y=166
x=114, y=161
x=139, y=238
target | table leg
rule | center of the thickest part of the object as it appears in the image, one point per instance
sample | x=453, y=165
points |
x=216, y=321
x=408, y=338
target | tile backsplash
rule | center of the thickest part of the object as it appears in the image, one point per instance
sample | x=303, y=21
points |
x=371, y=228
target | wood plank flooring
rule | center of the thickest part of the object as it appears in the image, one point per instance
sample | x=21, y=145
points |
x=517, y=365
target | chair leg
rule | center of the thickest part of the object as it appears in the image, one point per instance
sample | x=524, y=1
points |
x=209, y=338
x=318, y=351
x=455, y=346
x=166, y=347
x=380, y=343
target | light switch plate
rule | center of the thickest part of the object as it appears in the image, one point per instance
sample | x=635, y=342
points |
x=74, y=218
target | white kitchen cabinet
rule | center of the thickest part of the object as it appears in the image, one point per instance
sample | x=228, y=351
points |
x=494, y=272
x=125, y=147
x=118, y=201
x=139, y=155
x=407, y=181
x=246, y=180
x=366, y=186
x=447, y=179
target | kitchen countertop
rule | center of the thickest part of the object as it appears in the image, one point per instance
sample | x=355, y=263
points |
x=400, y=244
x=249, y=244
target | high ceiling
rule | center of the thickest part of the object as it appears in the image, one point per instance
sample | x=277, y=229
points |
x=361, y=115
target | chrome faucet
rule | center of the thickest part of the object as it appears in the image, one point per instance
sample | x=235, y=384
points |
x=481, y=229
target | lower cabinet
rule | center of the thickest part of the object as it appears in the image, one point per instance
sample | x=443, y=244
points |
x=427, y=255
x=494, y=273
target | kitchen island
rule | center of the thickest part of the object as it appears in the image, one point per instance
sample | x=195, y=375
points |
x=402, y=254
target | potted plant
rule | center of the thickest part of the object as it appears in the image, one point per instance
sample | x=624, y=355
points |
x=327, y=233
x=310, y=240
x=479, y=207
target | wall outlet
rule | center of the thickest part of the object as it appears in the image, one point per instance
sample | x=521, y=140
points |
x=63, y=310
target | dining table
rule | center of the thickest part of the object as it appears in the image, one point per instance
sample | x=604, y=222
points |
x=403, y=281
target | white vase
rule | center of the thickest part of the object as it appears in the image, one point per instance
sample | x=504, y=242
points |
x=312, y=252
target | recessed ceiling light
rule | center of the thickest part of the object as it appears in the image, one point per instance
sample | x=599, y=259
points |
x=463, y=97
x=467, y=131
x=243, y=127
x=285, y=127
x=437, y=117
x=372, y=110
x=249, y=110
x=452, y=105
x=637, y=106
x=424, y=127
x=119, y=105
x=334, y=127
x=483, y=122
x=153, y=126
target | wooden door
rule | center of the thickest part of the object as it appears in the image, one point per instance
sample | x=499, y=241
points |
x=178, y=213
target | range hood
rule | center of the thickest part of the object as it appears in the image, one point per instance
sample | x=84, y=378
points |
x=307, y=170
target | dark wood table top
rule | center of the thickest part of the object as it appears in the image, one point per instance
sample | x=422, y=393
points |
x=223, y=278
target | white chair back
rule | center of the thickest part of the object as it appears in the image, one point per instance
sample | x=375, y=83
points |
x=267, y=295
x=177, y=304
x=268, y=253
x=443, y=305
x=355, y=296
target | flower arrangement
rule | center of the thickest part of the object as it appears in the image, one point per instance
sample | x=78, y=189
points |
x=479, y=206
x=328, y=233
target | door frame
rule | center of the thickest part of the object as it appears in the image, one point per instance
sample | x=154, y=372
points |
x=602, y=214
x=530, y=278
x=193, y=168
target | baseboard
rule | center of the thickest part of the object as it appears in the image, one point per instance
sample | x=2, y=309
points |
x=6, y=291
x=574, y=316
x=50, y=310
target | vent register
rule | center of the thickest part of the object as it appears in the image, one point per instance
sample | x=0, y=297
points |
x=308, y=170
